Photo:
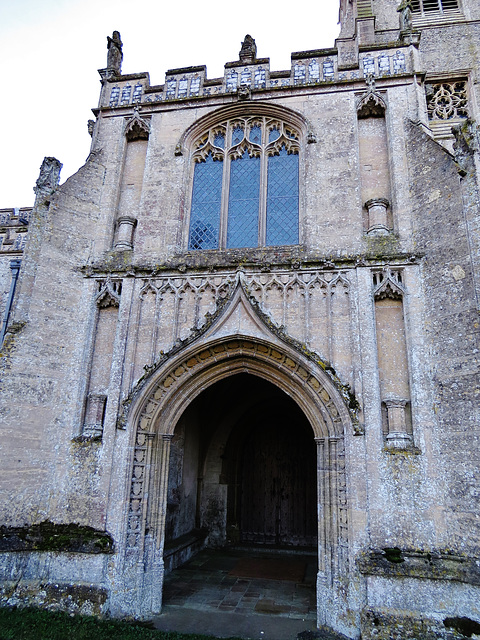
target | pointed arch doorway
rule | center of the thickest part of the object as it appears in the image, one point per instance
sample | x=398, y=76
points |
x=243, y=468
x=165, y=404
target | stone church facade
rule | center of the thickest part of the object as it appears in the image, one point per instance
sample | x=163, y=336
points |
x=252, y=317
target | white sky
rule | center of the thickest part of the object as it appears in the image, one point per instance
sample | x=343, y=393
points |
x=50, y=51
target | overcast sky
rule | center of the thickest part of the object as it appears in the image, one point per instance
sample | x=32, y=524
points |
x=50, y=51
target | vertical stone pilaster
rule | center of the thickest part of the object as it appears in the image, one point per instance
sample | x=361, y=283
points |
x=320, y=442
x=153, y=587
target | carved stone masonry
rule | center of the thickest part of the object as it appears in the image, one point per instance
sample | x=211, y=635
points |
x=371, y=104
x=49, y=176
x=114, y=53
x=377, y=216
x=388, y=283
x=109, y=292
x=94, y=416
x=248, y=52
x=125, y=228
x=137, y=128
x=397, y=437
x=405, y=10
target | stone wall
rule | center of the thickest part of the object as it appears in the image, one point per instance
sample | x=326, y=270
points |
x=369, y=322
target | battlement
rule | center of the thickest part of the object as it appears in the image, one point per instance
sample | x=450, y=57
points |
x=308, y=68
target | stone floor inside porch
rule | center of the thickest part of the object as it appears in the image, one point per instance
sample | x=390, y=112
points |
x=244, y=592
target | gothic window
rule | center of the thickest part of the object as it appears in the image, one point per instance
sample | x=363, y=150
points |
x=427, y=6
x=245, y=185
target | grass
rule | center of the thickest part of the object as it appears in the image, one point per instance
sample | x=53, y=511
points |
x=36, y=624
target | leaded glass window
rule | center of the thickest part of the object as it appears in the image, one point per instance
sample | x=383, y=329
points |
x=245, y=189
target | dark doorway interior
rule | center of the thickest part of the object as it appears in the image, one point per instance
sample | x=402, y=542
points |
x=277, y=478
x=242, y=469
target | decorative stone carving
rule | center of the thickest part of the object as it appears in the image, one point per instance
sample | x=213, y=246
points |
x=194, y=365
x=125, y=228
x=388, y=283
x=90, y=127
x=243, y=93
x=94, y=416
x=405, y=10
x=109, y=292
x=371, y=104
x=248, y=52
x=49, y=176
x=137, y=128
x=114, y=53
x=377, y=216
x=397, y=437
x=447, y=100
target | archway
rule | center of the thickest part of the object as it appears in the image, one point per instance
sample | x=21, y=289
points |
x=242, y=470
x=155, y=411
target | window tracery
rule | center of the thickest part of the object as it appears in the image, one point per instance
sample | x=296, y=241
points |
x=447, y=100
x=245, y=185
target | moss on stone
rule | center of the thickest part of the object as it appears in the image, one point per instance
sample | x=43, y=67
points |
x=48, y=536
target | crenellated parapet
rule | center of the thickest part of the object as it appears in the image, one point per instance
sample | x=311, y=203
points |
x=308, y=68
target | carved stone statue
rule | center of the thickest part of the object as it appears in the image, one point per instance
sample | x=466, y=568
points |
x=49, y=175
x=114, y=52
x=405, y=10
x=248, y=52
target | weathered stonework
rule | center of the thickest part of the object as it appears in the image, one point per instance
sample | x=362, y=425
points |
x=165, y=334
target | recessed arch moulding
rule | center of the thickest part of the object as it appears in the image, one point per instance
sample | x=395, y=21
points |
x=239, y=340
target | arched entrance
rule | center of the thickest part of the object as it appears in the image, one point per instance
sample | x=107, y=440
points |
x=243, y=469
x=159, y=405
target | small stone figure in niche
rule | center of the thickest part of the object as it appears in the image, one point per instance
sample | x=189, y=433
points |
x=114, y=52
x=405, y=10
x=248, y=52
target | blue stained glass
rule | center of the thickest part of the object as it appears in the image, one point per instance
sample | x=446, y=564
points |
x=256, y=134
x=219, y=140
x=206, y=204
x=237, y=135
x=273, y=135
x=243, y=202
x=282, y=199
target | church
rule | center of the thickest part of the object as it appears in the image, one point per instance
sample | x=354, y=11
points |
x=252, y=318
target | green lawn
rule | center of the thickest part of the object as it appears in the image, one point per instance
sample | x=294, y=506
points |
x=35, y=624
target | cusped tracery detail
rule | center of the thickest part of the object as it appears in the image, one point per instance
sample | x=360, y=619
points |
x=388, y=283
x=137, y=127
x=447, y=100
x=245, y=184
x=371, y=104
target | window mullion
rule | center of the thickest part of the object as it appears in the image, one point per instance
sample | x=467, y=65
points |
x=225, y=191
x=262, y=214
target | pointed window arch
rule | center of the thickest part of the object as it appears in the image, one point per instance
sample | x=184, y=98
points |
x=245, y=190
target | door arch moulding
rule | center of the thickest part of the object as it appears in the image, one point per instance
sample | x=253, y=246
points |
x=165, y=394
x=254, y=323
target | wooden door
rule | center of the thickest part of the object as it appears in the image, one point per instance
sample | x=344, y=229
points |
x=278, y=497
